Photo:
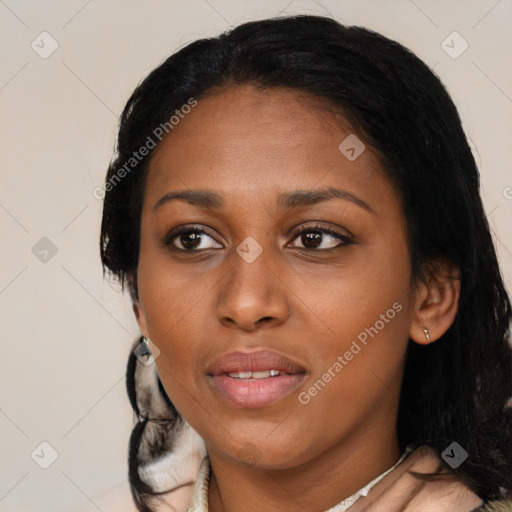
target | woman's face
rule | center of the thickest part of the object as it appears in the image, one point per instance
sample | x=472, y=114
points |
x=334, y=309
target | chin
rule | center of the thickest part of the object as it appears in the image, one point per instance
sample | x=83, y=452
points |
x=262, y=454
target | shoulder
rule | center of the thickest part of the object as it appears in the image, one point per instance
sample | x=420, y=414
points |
x=405, y=489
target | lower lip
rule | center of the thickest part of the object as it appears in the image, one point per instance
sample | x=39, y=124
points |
x=254, y=393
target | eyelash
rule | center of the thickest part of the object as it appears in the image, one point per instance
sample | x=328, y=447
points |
x=346, y=239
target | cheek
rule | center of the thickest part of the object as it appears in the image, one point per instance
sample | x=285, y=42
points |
x=174, y=316
x=175, y=306
x=366, y=311
x=354, y=296
x=166, y=300
x=175, y=327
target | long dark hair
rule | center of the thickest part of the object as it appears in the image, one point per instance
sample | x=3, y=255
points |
x=456, y=389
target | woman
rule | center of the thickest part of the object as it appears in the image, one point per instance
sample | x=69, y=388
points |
x=295, y=210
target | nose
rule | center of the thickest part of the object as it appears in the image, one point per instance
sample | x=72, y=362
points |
x=253, y=295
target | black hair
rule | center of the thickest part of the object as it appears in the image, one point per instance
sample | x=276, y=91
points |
x=456, y=389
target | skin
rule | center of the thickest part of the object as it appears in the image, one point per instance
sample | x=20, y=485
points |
x=250, y=145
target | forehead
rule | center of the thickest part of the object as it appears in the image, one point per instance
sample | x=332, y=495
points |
x=251, y=141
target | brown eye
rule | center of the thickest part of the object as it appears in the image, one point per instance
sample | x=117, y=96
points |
x=190, y=240
x=321, y=238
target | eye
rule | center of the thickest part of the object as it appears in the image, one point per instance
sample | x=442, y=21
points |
x=312, y=238
x=190, y=239
x=194, y=239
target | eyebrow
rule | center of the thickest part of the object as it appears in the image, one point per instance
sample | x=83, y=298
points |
x=211, y=200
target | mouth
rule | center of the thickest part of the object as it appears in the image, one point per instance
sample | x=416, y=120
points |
x=254, y=379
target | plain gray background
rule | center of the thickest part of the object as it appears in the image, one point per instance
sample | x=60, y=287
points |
x=66, y=333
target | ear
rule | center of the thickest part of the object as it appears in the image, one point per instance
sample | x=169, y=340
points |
x=140, y=317
x=136, y=306
x=436, y=301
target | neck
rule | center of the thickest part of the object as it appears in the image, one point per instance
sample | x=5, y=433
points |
x=316, y=485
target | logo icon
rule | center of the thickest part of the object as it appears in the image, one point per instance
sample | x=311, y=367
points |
x=249, y=453
x=352, y=147
x=146, y=354
x=44, y=45
x=454, y=455
x=454, y=45
x=249, y=249
x=44, y=455
x=44, y=250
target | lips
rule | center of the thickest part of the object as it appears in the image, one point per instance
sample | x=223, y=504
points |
x=254, y=379
x=262, y=360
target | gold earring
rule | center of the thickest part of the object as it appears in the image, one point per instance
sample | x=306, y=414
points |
x=427, y=335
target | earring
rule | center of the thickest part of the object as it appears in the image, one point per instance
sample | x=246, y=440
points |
x=146, y=346
x=143, y=353
x=427, y=335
